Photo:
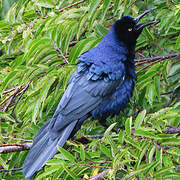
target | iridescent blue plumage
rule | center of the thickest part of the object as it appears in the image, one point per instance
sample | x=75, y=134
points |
x=100, y=87
x=110, y=61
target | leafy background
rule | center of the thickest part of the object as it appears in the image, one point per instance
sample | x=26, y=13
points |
x=40, y=41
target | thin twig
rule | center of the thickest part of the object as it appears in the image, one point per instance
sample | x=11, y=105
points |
x=5, y=100
x=122, y=2
x=145, y=60
x=72, y=43
x=173, y=74
x=10, y=90
x=166, y=93
x=58, y=49
x=145, y=67
x=132, y=3
x=89, y=165
x=7, y=170
x=71, y=5
x=140, y=54
x=94, y=136
x=17, y=139
x=22, y=92
x=9, y=103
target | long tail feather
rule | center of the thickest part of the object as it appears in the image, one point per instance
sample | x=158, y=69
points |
x=44, y=148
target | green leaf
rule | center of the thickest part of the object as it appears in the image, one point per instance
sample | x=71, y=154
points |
x=81, y=47
x=112, y=144
x=105, y=150
x=34, y=47
x=121, y=137
x=3, y=164
x=159, y=156
x=11, y=76
x=151, y=152
x=71, y=173
x=100, y=30
x=82, y=153
x=108, y=130
x=142, y=153
x=116, y=6
x=167, y=161
x=163, y=171
x=39, y=105
x=105, y=7
x=150, y=93
x=54, y=162
x=139, y=119
x=157, y=86
x=81, y=26
x=153, y=165
x=174, y=151
x=171, y=141
x=5, y=116
x=177, y=47
x=142, y=132
x=172, y=175
x=149, y=35
x=118, y=159
x=128, y=126
x=46, y=3
x=66, y=154
x=48, y=171
x=132, y=142
x=92, y=7
x=136, y=172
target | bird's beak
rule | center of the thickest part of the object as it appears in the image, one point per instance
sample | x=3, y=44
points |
x=142, y=25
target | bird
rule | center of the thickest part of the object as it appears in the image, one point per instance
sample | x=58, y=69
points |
x=100, y=87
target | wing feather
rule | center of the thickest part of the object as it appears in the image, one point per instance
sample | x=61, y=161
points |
x=81, y=97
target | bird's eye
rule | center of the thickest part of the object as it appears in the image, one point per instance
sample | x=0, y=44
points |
x=129, y=29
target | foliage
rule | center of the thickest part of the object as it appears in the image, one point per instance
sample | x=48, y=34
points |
x=5, y=6
x=37, y=41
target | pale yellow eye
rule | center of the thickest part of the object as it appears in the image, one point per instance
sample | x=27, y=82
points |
x=129, y=29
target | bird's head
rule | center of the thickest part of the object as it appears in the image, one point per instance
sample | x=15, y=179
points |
x=128, y=29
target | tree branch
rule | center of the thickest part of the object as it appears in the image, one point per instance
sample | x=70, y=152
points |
x=72, y=43
x=22, y=92
x=17, y=139
x=7, y=148
x=99, y=176
x=61, y=54
x=91, y=165
x=10, y=90
x=7, y=170
x=147, y=60
x=5, y=100
x=94, y=136
x=71, y=5
x=172, y=130
x=9, y=102
x=145, y=67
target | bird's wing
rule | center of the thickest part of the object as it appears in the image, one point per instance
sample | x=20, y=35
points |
x=81, y=97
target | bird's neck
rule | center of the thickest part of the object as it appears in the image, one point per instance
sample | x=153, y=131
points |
x=128, y=49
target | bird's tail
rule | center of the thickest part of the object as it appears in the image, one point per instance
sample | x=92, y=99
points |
x=44, y=148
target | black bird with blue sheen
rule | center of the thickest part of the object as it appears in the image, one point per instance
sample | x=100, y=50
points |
x=100, y=87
